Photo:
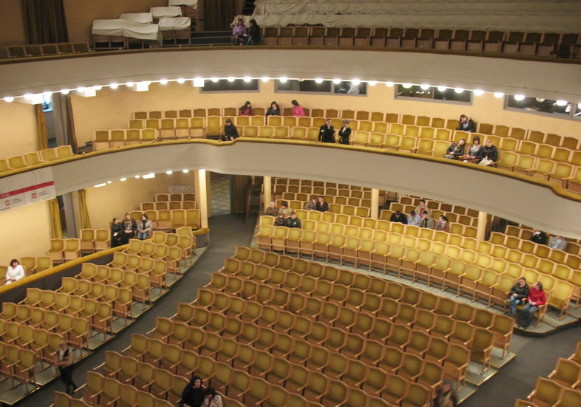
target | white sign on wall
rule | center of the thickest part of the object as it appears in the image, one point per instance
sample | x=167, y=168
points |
x=25, y=188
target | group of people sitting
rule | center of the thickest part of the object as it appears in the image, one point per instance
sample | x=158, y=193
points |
x=284, y=216
x=555, y=242
x=122, y=231
x=420, y=217
x=532, y=298
x=486, y=155
x=195, y=394
x=242, y=35
x=274, y=109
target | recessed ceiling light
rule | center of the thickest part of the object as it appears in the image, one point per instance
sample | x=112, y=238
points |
x=372, y=83
x=459, y=90
x=247, y=79
x=337, y=81
x=129, y=84
x=113, y=85
x=163, y=81
x=123, y=179
x=390, y=84
x=231, y=79
x=169, y=172
x=479, y=92
x=425, y=86
x=406, y=85
x=519, y=97
x=185, y=171
x=441, y=88
x=214, y=79
x=181, y=80
x=356, y=82
x=9, y=99
x=318, y=80
x=561, y=102
x=265, y=79
x=81, y=89
x=283, y=79
x=498, y=95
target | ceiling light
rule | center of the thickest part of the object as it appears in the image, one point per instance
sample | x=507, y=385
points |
x=355, y=82
x=181, y=80
x=441, y=88
x=129, y=84
x=101, y=185
x=137, y=176
x=498, y=95
x=561, y=102
x=479, y=92
x=163, y=81
x=123, y=179
x=149, y=176
x=425, y=86
x=459, y=90
x=372, y=83
x=390, y=84
x=319, y=80
x=9, y=99
x=214, y=79
x=283, y=79
x=198, y=82
x=247, y=79
x=337, y=81
x=169, y=172
x=185, y=171
x=113, y=85
x=97, y=87
x=578, y=105
x=265, y=79
x=230, y=79
x=109, y=182
x=519, y=97
x=406, y=85
x=80, y=89
x=142, y=86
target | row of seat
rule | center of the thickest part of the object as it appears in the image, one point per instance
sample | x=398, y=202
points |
x=183, y=196
x=442, y=243
x=256, y=342
x=170, y=255
x=17, y=363
x=512, y=43
x=165, y=205
x=105, y=139
x=330, y=199
x=168, y=220
x=562, y=388
x=62, y=250
x=291, y=192
x=360, y=210
x=466, y=271
x=525, y=233
x=36, y=50
x=361, y=120
x=467, y=220
x=74, y=329
x=137, y=279
x=35, y=157
x=43, y=342
x=94, y=240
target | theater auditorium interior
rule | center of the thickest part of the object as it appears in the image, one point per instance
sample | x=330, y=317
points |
x=144, y=242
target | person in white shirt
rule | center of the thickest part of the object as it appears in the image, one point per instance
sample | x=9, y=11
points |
x=14, y=272
x=414, y=219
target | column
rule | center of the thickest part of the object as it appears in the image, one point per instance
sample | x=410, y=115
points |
x=202, y=197
x=374, y=203
x=267, y=192
x=481, y=227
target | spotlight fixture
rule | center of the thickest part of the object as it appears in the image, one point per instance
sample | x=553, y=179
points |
x=181, y=80
x=478, y=92
x=151, y=175
x=169, y=172
x=163, y=81
x=123, y=179
x=372, y=83
x=498, y=95
x=561, y=103
x=9, y=99
x=185, y=171
x=265, y=79
x=389, y=84
x=459, y=90
x=283, y=79
x=318, y=80
x=247, y=79
x=130, y=84
x=231, y=79
x=406, y=85
x=337, y=81
x=425, y=86
x=104, y=184
x=519, y=97
x=113, y=85
x=355, y=82
x=214, y=79
x=441, y=88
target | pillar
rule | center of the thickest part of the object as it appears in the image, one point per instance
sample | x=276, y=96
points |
x=202, y=197
x=374, y=203
x=267, y=192
x=481, y=227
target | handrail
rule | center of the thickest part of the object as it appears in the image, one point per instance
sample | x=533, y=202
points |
x=556, y=189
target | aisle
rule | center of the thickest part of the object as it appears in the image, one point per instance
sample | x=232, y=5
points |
x=226, y=232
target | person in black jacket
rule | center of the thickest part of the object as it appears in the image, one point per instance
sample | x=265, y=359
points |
x=489, y=152
x=518, y=293
x=399, y=217
x=539, y=237
x=327, y=132
x=253, y=33
x=456, y=150
x=230, y=131
x=193, y=394
x=466, y=124
x=116, y=230
x=293, y=221
x=65, y=366
x=322, y=206
x=273, y=110
x=344, y=132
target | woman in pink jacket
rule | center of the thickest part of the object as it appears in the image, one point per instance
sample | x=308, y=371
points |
x=536, y=299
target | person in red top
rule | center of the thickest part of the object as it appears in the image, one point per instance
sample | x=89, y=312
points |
x=246, y=109
x=536, y=299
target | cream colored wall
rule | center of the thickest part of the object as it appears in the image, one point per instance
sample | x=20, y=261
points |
x=113, y=108
x=11, y=23
x=17, y=129
x=81, y=13
x=26, y=232
x=116, y=199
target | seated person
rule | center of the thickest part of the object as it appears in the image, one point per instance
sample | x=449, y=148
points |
x=284, y=209
x=327, y=132
x=272, y=210
x=116, y=230
x=311, y=205
x=273, y=110
x=144, y=228
x=129, y=229
x=426, y=221
x=539, y=237
x=322, y=206
x=230, y=131
x=466, y=124
x=14, y=272
x=474, y=152
x=489, y=154
x=246, y=109
x=414, y=219
x=536, y=299
x=517, y=295
x=397, y=216
x=443, y=224
x=239, y=33
x=456, y=150
x=253, y=33
x=344, y=132
x=297, y=109
x=293, y=221
x=280, y=220
x=557, y=242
